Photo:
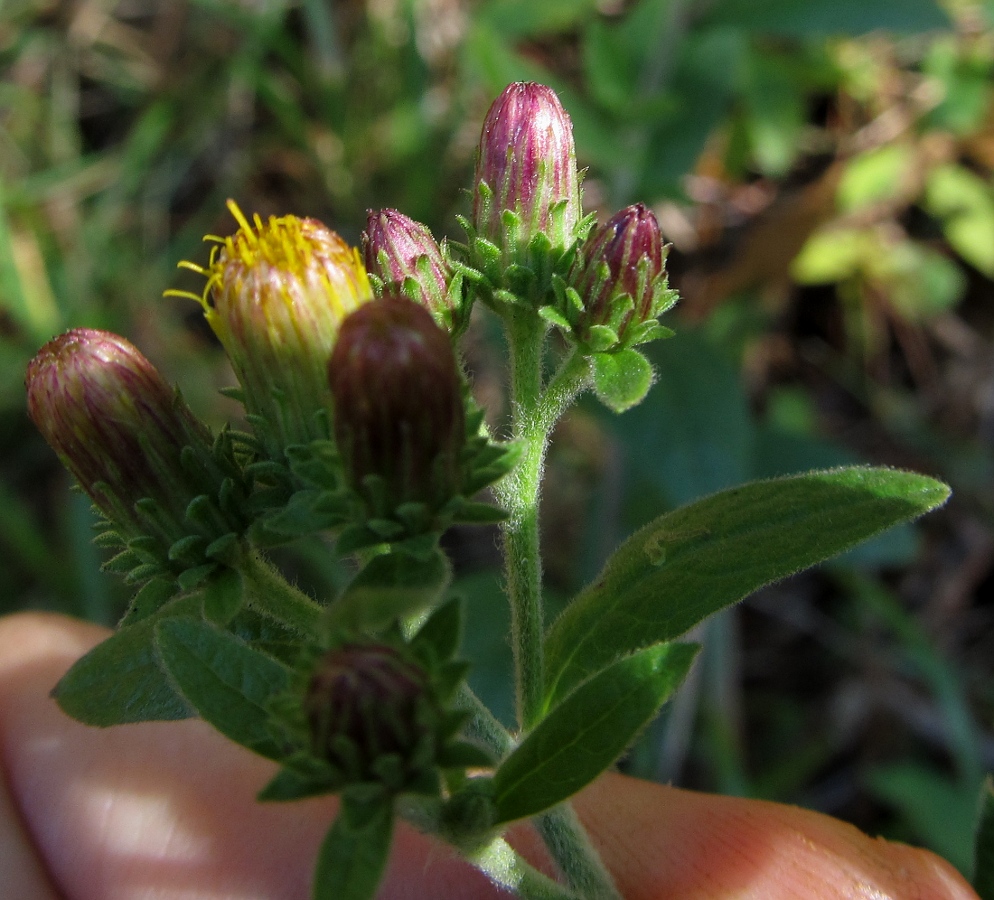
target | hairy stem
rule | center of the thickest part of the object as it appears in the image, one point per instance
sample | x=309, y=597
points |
x=483, y=726
x=269, y=593
x=518, y=494
x=570, y=847
x=499, y=861
x=535, y=411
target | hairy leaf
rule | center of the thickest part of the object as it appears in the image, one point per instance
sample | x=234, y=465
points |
x=354, y=853
x=392, y=585
x=587, y=732
x=622, y=379
x=693, y=561
x=224, y=679
x=122, y=680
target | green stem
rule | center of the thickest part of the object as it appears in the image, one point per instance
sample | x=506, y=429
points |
x=483, y=725
x=569, y=846
x=518, y=494
x=569, y=381
x=269, y=593
x=502, y=864
x=560, y=829
x=535, y=412
x=493, y=856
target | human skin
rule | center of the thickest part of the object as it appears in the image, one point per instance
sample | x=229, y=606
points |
x=166, y=810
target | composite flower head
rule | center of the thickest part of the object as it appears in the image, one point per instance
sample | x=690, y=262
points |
x=619, y=281
x=526, y=185
x=366, y=702
x=403, y=255
x=131, y=442
x=399, y=413
x=276, y=294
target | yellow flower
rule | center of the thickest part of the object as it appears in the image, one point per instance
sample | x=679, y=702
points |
x=276, y=294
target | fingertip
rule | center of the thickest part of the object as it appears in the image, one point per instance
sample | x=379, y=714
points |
x=672, y=844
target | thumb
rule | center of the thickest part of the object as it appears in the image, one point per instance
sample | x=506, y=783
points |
x=669, y=844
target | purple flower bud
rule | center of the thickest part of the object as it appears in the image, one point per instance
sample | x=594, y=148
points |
x=118, y=427
x=398, y=401
x=526, y=164
x=404, y=255
x=619, y=274
x=364, y=701
x=280, y=291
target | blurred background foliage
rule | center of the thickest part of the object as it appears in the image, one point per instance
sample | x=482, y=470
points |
x=825, y=172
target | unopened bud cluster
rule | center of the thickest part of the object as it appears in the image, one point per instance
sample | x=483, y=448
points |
x=400, y=420
x=528, y=237
x=617, y=286
x=370, y=712
x=171, y=492
x=402, y=256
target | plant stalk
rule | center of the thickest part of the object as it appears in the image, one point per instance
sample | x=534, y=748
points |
x=269, y=593
x=518, y=494
x=535, y=411
x=569, y=846
x=502, y=864
x=482, y=726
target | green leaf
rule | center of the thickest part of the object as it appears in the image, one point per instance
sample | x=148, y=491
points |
x=354, y=854
x=983, y=859
x=834, y=254
x=940, y=809
x=829, y=17
x=228, y=682
x=554, y=317
x=964, y=203
x=443, y=630
x=152, y=596
x=691, y=562
x=621, y=380
x=223, y=597
x=588, y=730
x=875, y=175
x=121, y=680
x=391, y=586
x=525, y=17
x=469, y=512
x=601, y=338
x=291, y=784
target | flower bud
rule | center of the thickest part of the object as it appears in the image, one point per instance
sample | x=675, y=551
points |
x=526, y=164
x=619, y=275
x=404, y=255
x=366, y=701
x=399, y=411
x=280, y=291
x=121, y=431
